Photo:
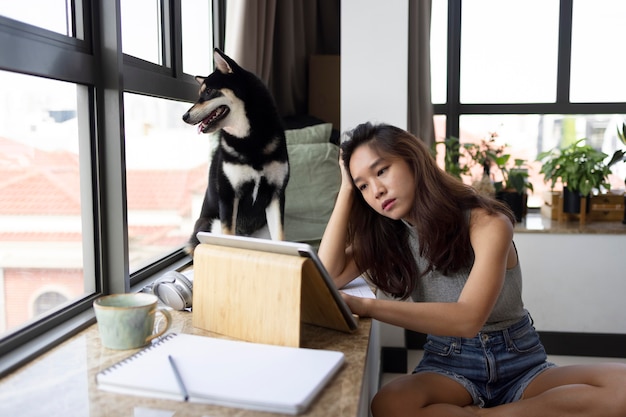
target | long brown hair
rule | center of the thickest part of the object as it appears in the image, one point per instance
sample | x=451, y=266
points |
x=381, y=245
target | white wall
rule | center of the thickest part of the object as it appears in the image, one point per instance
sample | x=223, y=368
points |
x=574, y=282
x=374, y=44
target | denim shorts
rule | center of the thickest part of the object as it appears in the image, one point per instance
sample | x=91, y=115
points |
x=494, y=367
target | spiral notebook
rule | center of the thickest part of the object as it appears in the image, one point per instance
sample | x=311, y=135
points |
x=225, y=372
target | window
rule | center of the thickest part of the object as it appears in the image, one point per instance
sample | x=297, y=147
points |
x=501, y=60
x=438, y=51
x=166, y=176
x=145, y=43
x=537, y=85
x=52, y=15
x=598, y=44
x=197, y=37
x=42, y=208
x=99, y=175
x=528, y=134
x=47, y=301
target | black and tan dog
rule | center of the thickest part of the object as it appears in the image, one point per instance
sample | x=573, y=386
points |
x=250, y=168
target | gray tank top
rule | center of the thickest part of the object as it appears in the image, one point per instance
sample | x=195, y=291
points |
x=436, y=287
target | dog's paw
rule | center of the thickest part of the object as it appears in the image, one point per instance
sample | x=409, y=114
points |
x=228, y=230
x=189, y=248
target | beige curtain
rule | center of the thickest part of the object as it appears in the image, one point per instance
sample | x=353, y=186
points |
x=277, y=39
x=278, y=36
x=251, y=47
x=420, y=108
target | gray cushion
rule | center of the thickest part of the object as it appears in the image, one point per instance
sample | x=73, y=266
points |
x=313, y=183
x=310, y=134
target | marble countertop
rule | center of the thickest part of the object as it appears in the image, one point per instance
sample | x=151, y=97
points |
x=536, y=223
x=62, y=382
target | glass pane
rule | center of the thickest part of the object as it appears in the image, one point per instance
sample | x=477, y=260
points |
x=41, y=232
x=49, y=14
x=509, y=51
x=166, y=169
x=197, y=33
x=598, y=59
x=438, y=51
x=439, y=122
x=141, y=29
x=528, y=135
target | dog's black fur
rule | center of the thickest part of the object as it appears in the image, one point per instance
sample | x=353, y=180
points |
x=250, y=167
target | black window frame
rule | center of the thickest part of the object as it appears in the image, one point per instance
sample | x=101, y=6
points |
x=96, y=61
x=453, y=109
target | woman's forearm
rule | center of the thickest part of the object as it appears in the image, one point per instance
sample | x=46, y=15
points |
x=332, y=250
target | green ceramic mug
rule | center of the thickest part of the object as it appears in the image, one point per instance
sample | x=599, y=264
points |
x=126, y=321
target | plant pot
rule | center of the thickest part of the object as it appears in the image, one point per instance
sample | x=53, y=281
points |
x=571, y=202
x=516, y=201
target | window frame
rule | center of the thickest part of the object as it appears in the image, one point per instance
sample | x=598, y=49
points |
x=96, y=63
x=453, y=109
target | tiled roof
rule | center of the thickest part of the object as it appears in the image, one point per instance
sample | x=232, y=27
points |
x=39, y=237
x=33, y=181
x=172, y=193
x=39, y=192
x=36, y=182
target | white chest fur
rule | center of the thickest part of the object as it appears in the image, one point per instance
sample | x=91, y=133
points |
x=238, y=174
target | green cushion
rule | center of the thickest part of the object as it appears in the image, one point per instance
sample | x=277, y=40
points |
x=312, y=189
x=310, y=134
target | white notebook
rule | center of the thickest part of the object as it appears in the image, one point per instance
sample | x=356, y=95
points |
x=225, y=372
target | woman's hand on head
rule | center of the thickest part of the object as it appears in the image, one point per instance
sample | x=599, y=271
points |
x=346, y=179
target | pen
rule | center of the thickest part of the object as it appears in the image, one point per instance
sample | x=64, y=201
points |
x=179, y=379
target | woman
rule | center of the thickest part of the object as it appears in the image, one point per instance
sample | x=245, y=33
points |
x=421, y=235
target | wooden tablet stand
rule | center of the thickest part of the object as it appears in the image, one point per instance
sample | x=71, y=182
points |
x=260, y=297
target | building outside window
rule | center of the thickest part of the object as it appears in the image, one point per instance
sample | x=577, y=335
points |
x=100, y=179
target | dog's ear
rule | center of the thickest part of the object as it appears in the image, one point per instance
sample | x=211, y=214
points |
x=221, y=64
x=200, y=79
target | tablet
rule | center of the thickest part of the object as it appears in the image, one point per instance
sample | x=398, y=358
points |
x=288, y=248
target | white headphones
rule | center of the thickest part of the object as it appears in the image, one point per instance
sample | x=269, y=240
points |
x=174, y=289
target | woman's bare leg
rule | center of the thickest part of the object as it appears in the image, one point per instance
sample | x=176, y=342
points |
x=423, y=395
x=578, y=390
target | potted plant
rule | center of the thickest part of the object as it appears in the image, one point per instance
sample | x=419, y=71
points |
x=484, y=155
x=620, y=155
x=580, y=168
x=513, y=184
x=451, y=157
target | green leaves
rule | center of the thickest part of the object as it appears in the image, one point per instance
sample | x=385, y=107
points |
x=451, y=157
x=460, y=158
x=579, y=167
x=622, y=135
